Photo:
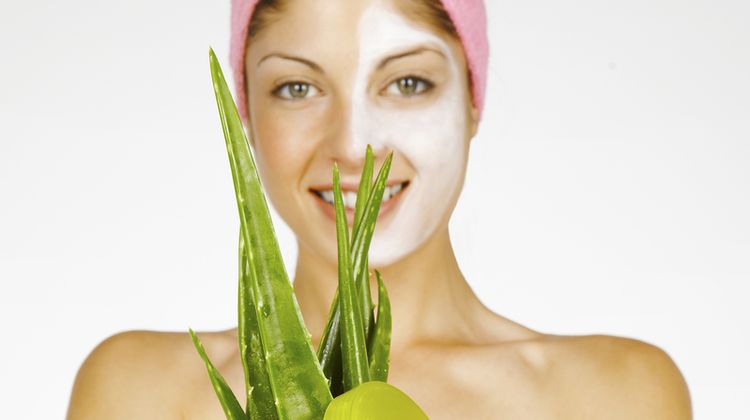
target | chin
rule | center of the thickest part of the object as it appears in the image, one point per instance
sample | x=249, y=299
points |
x=408, y=231
x=392, y=246
x=378, y=259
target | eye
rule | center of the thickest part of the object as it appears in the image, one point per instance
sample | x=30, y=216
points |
x=409, y=86
x=295, y=90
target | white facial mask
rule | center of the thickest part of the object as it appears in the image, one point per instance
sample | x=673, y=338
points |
x=431, y=137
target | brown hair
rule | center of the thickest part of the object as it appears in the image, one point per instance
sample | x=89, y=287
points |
x=426, y=12
x=266, y=11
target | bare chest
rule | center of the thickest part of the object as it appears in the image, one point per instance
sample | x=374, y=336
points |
x=471, y=385
x=446, y=386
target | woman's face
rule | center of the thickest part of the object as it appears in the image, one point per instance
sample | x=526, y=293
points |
x=328, y=78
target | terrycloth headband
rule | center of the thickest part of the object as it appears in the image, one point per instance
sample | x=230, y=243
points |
x=468, y=16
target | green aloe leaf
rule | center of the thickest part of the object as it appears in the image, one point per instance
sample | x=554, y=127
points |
x=363, y=237
x=361, y=272
x=232, y=408
x=379, y=346
x=365, y=185
x=260, y=399
x=329, y=350
x=299, y=386
x=361, y=244
x=353, y=345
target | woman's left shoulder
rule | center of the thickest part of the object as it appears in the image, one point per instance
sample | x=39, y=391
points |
x=622, y=355
x=637, y=374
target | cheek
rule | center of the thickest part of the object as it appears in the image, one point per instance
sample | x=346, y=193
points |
x=281, y=155
x=287, y=135
x=431, y=138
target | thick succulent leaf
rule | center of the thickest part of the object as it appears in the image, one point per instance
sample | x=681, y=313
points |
x=362, y=282
x=353, y=344
x=362, y=240
x=365, y=185
x=361, y=272
x=298, y=384
x=260, y=400
x=232, y=408
x=329, y=350
x=379, y=346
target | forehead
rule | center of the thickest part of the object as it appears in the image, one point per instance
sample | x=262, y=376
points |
x=345, y=28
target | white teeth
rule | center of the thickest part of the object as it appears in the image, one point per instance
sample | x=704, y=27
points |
x=391, y=191
x=350, y=197
x=386, y=195
x=327, y=196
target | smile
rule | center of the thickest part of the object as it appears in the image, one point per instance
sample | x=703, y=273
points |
x=324, y=198
x=350, y=197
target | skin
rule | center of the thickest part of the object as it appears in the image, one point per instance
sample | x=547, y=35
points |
x=451, y=354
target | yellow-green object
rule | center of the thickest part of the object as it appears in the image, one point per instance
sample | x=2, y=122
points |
x=374, y=400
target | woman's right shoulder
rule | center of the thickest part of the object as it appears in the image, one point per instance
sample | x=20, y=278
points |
x=137, y=374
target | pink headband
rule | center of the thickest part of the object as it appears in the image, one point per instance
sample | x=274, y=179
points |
x=468, y=16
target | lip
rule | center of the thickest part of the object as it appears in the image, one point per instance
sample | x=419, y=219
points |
x=385, y=208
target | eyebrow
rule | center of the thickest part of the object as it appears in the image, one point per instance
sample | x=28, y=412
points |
x=383, y=63
x=304, y=61
x=414, y=51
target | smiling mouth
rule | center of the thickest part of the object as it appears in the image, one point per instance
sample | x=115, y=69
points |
x=349, y=195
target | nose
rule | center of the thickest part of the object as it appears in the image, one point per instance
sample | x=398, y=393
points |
x=350, y=131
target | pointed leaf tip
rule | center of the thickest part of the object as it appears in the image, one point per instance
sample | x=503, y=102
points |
x=212, y=57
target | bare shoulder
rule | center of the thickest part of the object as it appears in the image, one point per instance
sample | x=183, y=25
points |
x=137, y=374
x=602, y=373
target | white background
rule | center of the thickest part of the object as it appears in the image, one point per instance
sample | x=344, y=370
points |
x=608, y=188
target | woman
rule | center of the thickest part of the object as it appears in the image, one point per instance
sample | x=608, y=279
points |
x=317, y=82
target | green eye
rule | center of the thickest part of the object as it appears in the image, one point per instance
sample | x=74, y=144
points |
x=294, y=90
x=409, y=86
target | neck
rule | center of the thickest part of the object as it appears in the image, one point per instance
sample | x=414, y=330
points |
x=430, y=299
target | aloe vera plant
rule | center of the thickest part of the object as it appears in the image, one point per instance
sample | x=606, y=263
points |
x=284, y=377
